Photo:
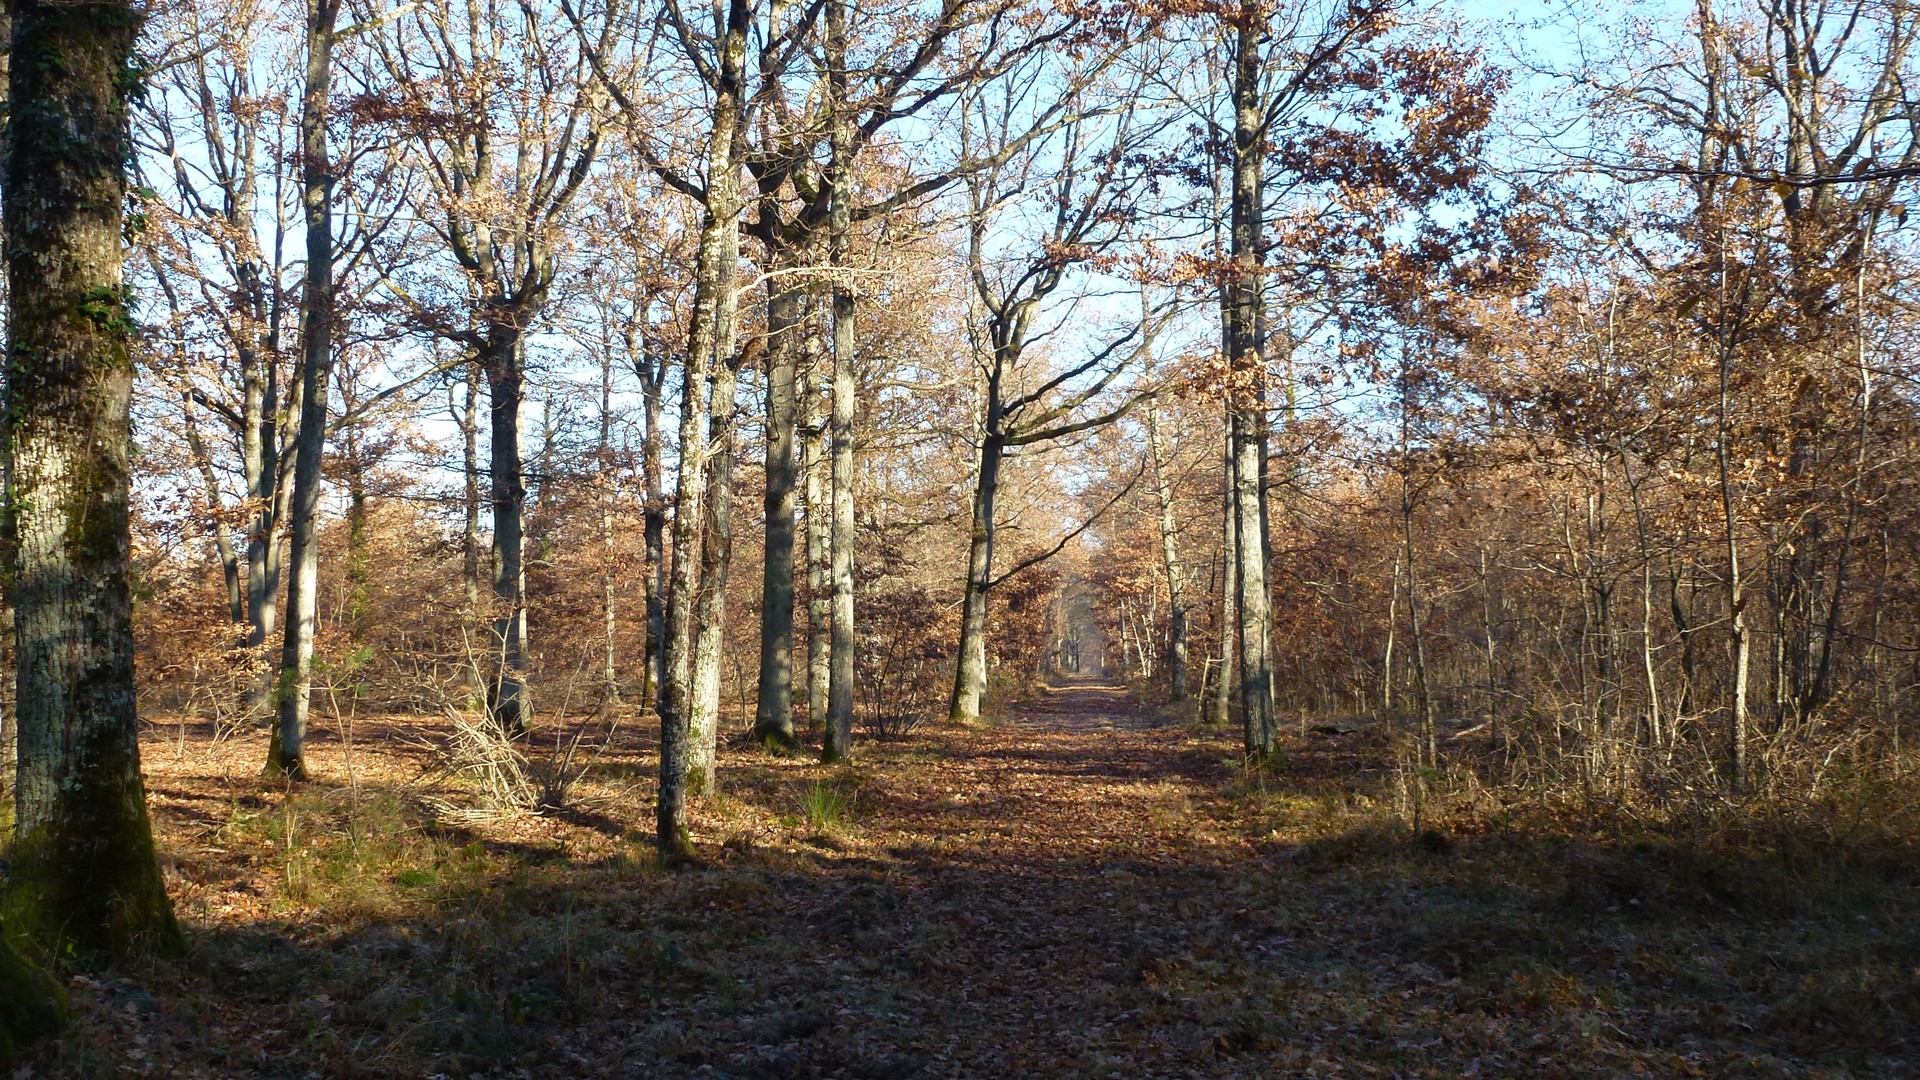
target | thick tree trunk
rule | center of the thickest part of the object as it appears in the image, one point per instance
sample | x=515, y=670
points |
x=773, y=713
x=839, y=728
x=33, y=1005
x=716, y=558
x=1170, y=555
x=716, y=263
x=505, y=366
x=286, y=756
x=260, y=454
x=261, y=469
x=819, y=522
x=970, y=671
x=839, y=733
x=83, y=877
x=1252, y=600
x=1246, y=401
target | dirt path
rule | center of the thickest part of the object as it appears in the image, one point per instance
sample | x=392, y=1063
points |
x=1077, y=891
x=1082, y=706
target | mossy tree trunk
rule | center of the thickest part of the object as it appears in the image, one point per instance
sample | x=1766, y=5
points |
x=32, y=1005
x=84, y=878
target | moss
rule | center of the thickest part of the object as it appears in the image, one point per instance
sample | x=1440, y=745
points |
x=32, y=1004
x=85, y=878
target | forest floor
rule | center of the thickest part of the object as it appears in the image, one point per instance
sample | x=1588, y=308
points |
x=1073, y=890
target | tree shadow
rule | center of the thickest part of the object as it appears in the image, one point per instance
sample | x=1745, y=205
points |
x=1034, y=903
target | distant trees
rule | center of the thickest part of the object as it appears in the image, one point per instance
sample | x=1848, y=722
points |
x=811, y=335
x=1070, y=155
x=499, y=113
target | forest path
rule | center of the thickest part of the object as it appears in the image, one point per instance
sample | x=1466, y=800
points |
x=1083, y=705
x=1079, y=889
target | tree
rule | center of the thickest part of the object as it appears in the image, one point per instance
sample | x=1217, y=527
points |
x=84, y=876
x=32, y=1004
x=287, y=755
x=206, y=119
x=1087, y=188
x=506, y=126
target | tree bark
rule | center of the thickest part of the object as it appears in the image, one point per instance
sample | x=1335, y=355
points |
x=1170, y=554
x=223, y=545
x=83, y=877
x=970, y=672
x=33, y=1005
x=819, y=522
x=716, y=263
x=1220, y=704
x=609, y=578
x=1246, y=401
x=286, y=757
x=839, y=728
x=505, y=366
x=716, y=558
x=773, y=713
x=469, y=422
x=654, y=530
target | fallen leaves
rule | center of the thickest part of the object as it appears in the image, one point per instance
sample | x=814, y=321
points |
x=1076, y=893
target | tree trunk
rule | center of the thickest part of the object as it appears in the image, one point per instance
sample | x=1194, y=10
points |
x=83, y=877
x=1246, y=402
x=839, y=731
x=1487, y=629
x=1393, y=630
x=1739, y=638
x=609, y=578
x=654, y=529
x=223, y=545
x=819, y=542
x=1170, y=554
x=716, y=557
x=970, y=672
x=1416, y=633
x=286, y=757
x=33, y=1005
x=1220, y=704
x=505, y=366
x=773, y=714
x=260, y=453
x=359, y=560
x=715, y=266
x=470, y=527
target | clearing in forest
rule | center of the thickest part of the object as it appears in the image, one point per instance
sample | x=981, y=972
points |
x=1076, y=889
